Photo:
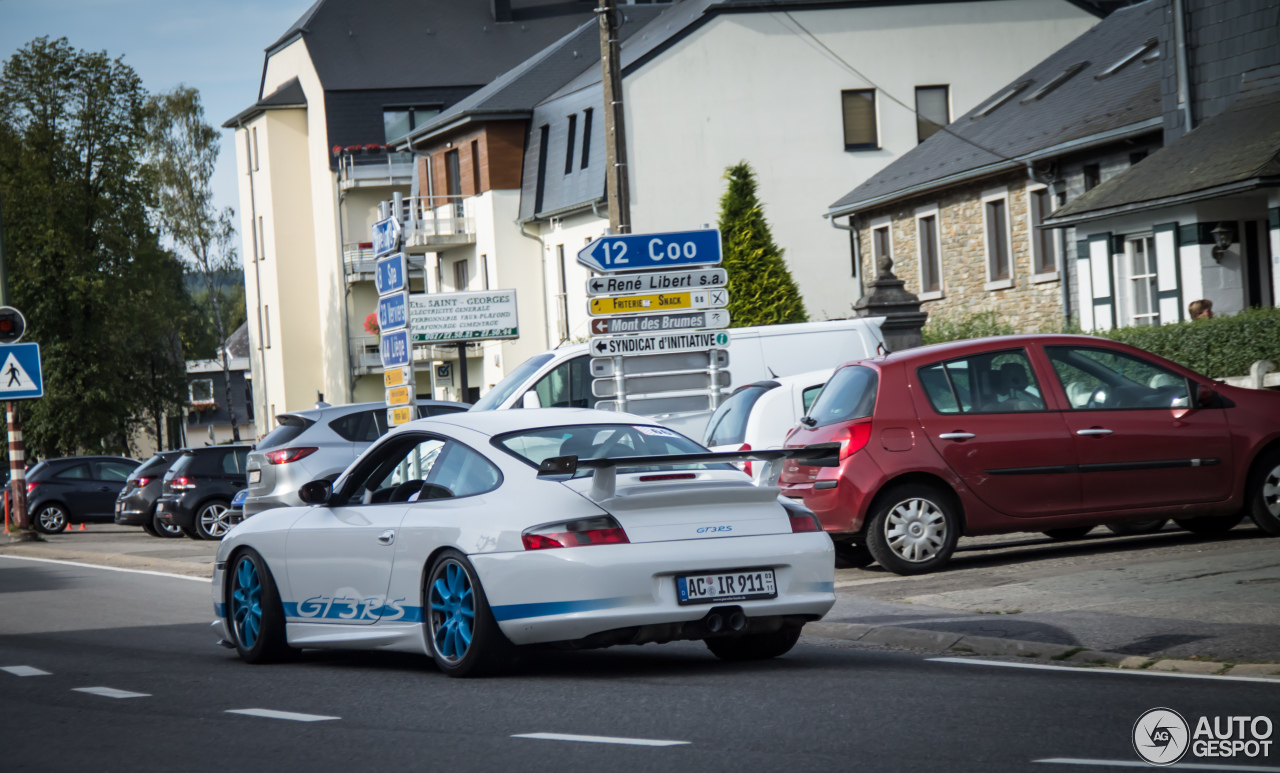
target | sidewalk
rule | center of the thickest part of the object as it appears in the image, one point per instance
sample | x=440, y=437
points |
x=121, y=546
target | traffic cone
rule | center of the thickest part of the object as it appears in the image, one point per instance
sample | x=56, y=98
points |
x=82, y=528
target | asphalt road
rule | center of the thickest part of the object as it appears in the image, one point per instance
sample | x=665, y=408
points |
x=823, y=707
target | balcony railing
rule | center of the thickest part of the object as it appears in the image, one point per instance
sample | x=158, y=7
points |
x=366, y=357
x=359, y=264
x=371, y=167
x=435, y=223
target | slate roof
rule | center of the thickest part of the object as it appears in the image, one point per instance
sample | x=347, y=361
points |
x=1236, y=150
x=1084, y=109
x=237, y=344
x=390, y=44
x=517, y=91
x=288, y=95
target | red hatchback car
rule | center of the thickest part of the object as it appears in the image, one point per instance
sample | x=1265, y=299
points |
x=1048, y=433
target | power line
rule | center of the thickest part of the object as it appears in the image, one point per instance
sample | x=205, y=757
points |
x=882, y=90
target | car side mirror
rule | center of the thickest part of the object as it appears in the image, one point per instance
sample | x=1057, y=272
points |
x=1204, y=396
x=530, y=400
x=317, y=492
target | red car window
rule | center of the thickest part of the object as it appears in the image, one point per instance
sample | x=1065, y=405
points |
x=992, y=382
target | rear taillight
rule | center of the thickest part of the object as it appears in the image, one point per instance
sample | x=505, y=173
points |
x=853, y=438
x=746, y=466
x=569, y=534
x=804, y=522
x=182, y=483
x=140, y=482
x=287, y=455
x=31, y=485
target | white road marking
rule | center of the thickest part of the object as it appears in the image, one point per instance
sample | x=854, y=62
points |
x=273, y=714
x=111, y=692
x=205, y=580
x=24, y=671
x=1175, y=766
x=599, y=739
x=1094, y=670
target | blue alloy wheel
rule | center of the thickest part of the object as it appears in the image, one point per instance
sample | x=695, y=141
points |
x=453, y=612
x=246, y=602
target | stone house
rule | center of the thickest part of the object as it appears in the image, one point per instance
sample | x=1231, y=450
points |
x=959, y=214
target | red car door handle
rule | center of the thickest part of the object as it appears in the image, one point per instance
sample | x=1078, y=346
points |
x=956, y=436
x=1098, y=431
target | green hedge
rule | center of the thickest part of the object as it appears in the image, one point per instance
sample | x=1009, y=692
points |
x=1219, y=347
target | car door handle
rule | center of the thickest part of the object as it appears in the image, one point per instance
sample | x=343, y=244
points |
x=1098, y=431
x=956, y=436
x=387, y=537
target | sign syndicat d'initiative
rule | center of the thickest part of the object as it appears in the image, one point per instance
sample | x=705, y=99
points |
x=472, y=316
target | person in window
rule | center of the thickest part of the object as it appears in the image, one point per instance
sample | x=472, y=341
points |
x=1017, y=395
x=1201, y=309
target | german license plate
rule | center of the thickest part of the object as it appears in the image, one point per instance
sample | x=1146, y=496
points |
x=726, y=586
x=255, y=476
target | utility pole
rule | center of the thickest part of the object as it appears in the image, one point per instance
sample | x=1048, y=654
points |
x=17, y=454
x=616, y=182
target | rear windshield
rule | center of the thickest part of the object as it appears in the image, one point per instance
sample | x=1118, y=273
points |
x=284, y=433
x=728, y=425
x=155, y=465
x=850, y=394
x=601, y=441
x=181, y=464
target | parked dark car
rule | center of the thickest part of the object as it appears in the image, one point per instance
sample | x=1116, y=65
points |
x=76, y=489
x=136, y=505
x=198, y=489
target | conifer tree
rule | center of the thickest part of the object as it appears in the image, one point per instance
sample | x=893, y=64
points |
x=761, y=290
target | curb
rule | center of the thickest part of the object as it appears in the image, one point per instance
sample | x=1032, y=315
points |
x=962, y=644
x=202, y=570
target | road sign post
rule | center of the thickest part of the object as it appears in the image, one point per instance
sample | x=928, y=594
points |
x=648, y=252
x=391, y=279
x=21, y=378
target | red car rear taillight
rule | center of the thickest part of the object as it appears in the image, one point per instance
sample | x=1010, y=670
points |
x=287, y=455
x=853, y=438
x=31, y=486
x=140, y=482
x=182, y=483
x=569, y=534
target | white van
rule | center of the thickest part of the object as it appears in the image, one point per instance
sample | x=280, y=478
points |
x=561, y=378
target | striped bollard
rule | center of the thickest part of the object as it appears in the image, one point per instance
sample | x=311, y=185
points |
x=17, y=472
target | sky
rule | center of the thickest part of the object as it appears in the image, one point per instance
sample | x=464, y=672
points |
x=215, y=46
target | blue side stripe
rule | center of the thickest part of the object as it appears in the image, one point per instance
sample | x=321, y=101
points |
x=547, y=608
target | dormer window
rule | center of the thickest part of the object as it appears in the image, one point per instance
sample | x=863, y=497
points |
x=398, y=121
x=1055, y=82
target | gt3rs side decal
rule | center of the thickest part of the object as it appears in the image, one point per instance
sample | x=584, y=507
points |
x=352, y=608
x=548, y=608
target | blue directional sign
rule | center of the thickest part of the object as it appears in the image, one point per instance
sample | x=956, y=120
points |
x=640, y=252
x=392, y=274
x=386, y=236
x=396, y=349
x=20, y=374
x=393, y=312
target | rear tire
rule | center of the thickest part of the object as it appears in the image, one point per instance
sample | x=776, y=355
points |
x=50, y=519
x=149, y=528
x=853, y=556
x=163, y=529
x=755, y=646
x=1209, y=525
x=1262, y=501
x=212, y=520
x=463, y=635
x=1068, y=534
x=254, y=614
x=190, y=533
x=914, y=529
x=1129, y=528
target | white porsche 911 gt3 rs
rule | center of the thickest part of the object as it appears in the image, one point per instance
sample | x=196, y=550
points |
x=466, y=535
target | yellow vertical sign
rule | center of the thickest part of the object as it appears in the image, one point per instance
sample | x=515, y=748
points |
x=394, y=377
x=399, y=396
x=398, y=416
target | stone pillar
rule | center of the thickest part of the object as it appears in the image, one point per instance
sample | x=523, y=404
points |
x=887, y=297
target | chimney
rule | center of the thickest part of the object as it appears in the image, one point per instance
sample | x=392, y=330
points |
x=501, y=9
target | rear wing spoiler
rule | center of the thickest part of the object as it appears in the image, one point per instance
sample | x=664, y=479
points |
x=604, y=481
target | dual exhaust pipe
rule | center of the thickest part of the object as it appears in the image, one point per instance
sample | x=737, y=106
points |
x=723, y=621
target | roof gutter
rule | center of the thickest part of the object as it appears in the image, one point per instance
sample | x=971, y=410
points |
x=1218, y=191
x=472, y=116
x=593, y=205
x=1019, y=162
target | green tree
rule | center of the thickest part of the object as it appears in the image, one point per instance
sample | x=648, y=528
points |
x=761, y=290
x=85, y=266
x=184, y=151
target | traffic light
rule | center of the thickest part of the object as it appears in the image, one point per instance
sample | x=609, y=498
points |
x=12, y=325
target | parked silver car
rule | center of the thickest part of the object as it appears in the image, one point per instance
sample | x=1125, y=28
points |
x=314, y=443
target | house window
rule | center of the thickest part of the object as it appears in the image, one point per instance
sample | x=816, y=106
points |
x=262, y=240
x=543, y=134
x=1043, y=242
x=1092, y=176
x=484, y=270
x=1140, y=253
x=881, y=245
x=568, y=148
x=398, y=121
x=930, y=263
x=586, y=137
x=475, y=167
x=859, y=106
x=200, y=391
x=562, y=295
x=933, y=110
x=461, y=275
x=995, y=217
x=255, y=149
x=1137, y=156
x=266, y=326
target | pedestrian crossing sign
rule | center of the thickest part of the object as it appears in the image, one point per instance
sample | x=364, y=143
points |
x=20, y=374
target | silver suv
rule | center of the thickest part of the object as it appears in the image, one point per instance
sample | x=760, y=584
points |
x=316, y=443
